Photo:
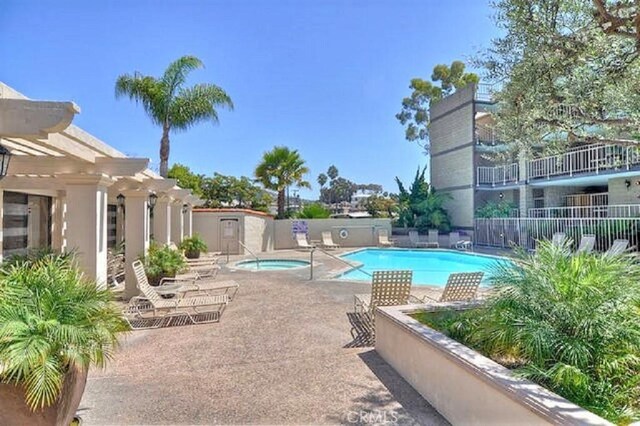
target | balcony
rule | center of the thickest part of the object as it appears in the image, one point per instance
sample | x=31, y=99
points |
x=497, y=176
x=593, y=159
x=485, y=92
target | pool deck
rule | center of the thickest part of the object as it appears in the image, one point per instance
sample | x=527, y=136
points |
x=282, y=354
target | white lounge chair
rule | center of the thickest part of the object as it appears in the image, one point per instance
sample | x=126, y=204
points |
x=303, y=243
x=460, y=287
x=414, y=237
x=327, y=241
x=587, y=243
x=432, y=238
x=150, y=310
x=558, y=238
x=383, y=238
x=388, y=288
x=618, y=247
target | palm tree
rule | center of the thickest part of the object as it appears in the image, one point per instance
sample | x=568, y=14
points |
x=322, y=179
x=170, y=104
x=280, y=168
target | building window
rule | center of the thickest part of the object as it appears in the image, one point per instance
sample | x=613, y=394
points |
x=538, y=198
x=112, y=215
x=26, y=223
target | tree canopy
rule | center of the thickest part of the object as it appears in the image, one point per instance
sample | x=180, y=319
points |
x=421, y=206
x=445, y=79
x=570, y=72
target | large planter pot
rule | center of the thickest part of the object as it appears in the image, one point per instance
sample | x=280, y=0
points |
x=462, y=384
x=15, y=411
x=195, y=254
x=154, y=280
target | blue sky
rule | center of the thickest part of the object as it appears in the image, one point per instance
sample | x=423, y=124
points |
x=324, y=77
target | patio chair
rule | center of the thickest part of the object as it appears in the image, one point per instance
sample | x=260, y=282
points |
x=414, y=237
x=587, y=243
x=432, y=238
x=327, y=241
x=383, y=238
x=618, y=247
x=303, y=243
x=559, y=238
x=115, y=269
x=458, y=243
x=150, y=310
x=388, y=288
x=460, y=287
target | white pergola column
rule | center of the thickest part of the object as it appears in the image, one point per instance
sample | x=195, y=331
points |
x=136, y=235
x=188, y=222
x=162, y=220
x=177, y=222
x=86, y=223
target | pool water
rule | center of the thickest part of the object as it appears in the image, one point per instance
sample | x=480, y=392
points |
x=271, y=264
x=430, y=267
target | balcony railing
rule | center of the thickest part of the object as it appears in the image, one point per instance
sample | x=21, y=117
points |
x=498, y=175
x=582, y=200
x=591, y=159
x=485, y=135
x=485, y=91
x=622, y=210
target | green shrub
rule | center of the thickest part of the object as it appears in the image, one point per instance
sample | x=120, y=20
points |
x=492, y=209
x=162, y=261
x=568, y=322
x=52, y=319
x=192, y=245
x=314, y=211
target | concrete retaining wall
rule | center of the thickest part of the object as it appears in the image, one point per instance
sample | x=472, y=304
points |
x=464, y=386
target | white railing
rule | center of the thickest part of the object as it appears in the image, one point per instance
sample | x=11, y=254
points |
x=595, y=211
x=524, y=232
x=485, y=91
x=591, y=159
x=498, y=175
x=582, y=200
x=485, y=135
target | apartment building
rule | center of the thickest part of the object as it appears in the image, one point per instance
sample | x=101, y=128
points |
x=588, y=181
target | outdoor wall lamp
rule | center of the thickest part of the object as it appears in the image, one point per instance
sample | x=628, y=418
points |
x=501, y=195
x=185, y=208
x=627, y=183
x=5, y=157
x=120, y=200
x=153, y=198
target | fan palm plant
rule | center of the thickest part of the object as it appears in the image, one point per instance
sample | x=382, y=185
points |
x=279, y=169
x=53, y=323
x=170, y=104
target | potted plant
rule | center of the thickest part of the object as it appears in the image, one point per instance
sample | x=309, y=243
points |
x=193, y=246
x=162, y=262
x=54, y=324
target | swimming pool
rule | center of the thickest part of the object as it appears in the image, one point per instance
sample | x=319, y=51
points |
x=430, y=267
x=271, y=264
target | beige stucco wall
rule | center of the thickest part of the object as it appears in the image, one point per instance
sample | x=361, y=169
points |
x=362, y=232
x=618, y=193
x=207, y=225
x=258, y=233
x=460, y=208
x=453, y=169
x=464, y=387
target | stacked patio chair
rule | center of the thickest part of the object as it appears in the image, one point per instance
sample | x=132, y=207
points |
x=460, y=287
x=432, y=239
x=414, y=237
x=151, y=310
x=587, y=243
x=327, y=241
x=302, y=242
x=383, y=238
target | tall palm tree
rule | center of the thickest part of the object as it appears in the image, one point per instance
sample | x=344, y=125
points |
x=170, y=104
x=280, y=168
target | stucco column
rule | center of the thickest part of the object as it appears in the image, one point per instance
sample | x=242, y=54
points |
x=162, y=220
x=177, y=222
x=86, y=223
x=136, y=235
x=188, y=222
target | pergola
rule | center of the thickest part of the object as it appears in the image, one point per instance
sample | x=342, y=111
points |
x=83, y=175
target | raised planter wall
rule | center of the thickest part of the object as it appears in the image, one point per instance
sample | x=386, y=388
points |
x=463, y=385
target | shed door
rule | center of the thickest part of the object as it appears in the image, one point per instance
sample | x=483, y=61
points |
x=229, y=236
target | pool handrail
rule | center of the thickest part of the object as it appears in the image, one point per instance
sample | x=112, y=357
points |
x=351, y=265
x=251, y=253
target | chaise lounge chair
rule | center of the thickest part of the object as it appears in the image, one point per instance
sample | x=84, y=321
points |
x=303, y=243
x=559, y=238
x=150, y=310
x=460, y=287
x=618, y=247
x=458, y=243
x=414, y=237
x=432, y=238
x=383, y=238
x=587, y=243
x=388, y=288
x=327, y=241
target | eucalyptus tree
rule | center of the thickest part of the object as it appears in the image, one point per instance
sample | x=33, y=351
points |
x=415, y=108
x=172, y=105
x=280, y=168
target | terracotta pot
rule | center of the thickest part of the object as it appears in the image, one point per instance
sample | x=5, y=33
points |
x=154, y=280
x=192, y=254
x=15, y=411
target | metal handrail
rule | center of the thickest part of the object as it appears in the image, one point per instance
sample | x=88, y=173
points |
x=251, y=253
x=336, y=258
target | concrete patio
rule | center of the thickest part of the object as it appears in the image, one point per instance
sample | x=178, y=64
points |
x=279, y=356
